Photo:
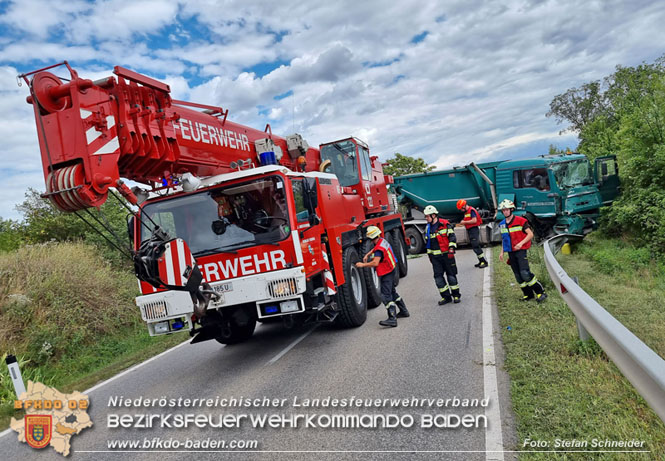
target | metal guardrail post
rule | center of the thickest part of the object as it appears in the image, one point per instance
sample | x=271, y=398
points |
x=640, y=365
x=584, y=335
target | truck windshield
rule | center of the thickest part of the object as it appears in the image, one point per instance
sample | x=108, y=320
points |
x=573, y=173
x=225, y=218
x=343, y=162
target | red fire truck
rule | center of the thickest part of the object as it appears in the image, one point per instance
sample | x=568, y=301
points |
x=232, y=225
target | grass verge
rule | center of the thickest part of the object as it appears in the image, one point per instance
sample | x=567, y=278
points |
x=565, y=389
x=69, y=318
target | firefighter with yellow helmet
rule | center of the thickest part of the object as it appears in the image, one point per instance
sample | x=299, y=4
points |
x=441, y=244
x=516, y=236
x=383, y=259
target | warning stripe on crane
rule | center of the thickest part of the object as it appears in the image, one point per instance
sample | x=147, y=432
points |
x=174, y=262
x=104, y=145
x=327, y=275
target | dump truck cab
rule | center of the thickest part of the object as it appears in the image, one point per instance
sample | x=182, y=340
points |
x=556, y=191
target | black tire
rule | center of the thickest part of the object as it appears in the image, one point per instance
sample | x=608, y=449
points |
x=372, y=282
x=235, y=333
x=399, y=247
x=416, y=242
x=535, y=226
x=352, y=296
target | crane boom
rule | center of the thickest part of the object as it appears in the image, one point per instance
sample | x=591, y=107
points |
x=93, y=133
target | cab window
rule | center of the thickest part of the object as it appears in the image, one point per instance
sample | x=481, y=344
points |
x=302, y=214
x=534, y=178
x=365, y=165
x=343, y=162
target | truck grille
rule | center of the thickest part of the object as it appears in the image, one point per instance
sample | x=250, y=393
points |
x=283, y=288
x=154, y=310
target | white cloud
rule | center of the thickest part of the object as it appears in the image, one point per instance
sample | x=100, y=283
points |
x=476, y=86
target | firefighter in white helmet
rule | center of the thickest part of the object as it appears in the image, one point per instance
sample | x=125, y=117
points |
x=383, y=258
x=441, y=244
x=516, y=235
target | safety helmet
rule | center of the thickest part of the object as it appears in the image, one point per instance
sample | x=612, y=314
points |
x=505, y=203
x=429, y=209
x=373, y=232
x=461, y=203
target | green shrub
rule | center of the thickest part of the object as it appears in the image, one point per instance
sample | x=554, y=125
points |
x=60, y=297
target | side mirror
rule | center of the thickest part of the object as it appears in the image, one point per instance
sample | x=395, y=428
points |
x=218, y=226
x=130, y=229
x=155, y=263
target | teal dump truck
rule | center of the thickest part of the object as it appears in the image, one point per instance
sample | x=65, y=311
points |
x=556, y=193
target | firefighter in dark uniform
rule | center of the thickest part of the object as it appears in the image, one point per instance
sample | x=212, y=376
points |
x=441, y=244
x=516, y=235
x=383, y=258
x=472, y=222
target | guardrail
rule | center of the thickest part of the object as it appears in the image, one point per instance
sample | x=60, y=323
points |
x=640, y=365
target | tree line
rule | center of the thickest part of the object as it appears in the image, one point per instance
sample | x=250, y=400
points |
x=43, y=222
x=624, y=114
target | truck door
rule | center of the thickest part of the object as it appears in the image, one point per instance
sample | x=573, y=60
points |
x=308, y=229
x=606, y=173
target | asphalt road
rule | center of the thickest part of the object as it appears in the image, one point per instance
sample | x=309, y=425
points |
x=436, y=353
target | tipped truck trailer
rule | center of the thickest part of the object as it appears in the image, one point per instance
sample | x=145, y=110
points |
x=231, y=225
x=556, y=193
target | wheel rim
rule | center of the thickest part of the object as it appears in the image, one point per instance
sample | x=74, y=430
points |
x=375, y=279
x=401, y=250
x=356, y=285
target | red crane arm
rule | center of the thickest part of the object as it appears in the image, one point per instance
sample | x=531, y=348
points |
x=91, y=134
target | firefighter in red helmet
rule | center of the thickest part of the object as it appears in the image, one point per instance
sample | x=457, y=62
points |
x=472, y=222
x=383, y=258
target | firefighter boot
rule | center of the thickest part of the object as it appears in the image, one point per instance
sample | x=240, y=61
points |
x=539, y=290
x=445, y=295
x=445, y=299
x=454, y=289
x=392, y=318
x=528, y=293
x=482, y=262
x=403, y=311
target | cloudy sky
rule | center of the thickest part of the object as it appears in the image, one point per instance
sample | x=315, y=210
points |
x=449, y=81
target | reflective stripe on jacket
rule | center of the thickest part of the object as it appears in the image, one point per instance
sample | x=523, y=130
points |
x=468, y=216
x=513, y=233
x=444, y=236
x=388, y=263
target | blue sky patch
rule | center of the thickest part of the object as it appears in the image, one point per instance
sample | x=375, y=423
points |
x=283, y=95
x=420, y=37
x=264, y=68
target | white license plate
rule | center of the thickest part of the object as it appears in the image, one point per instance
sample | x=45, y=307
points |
x=223, y=287
x=289, y=306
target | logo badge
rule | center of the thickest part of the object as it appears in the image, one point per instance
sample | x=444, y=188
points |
x=38, y=430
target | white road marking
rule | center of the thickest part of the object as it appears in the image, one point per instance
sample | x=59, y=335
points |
x=493, y=434
x=290, y=346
